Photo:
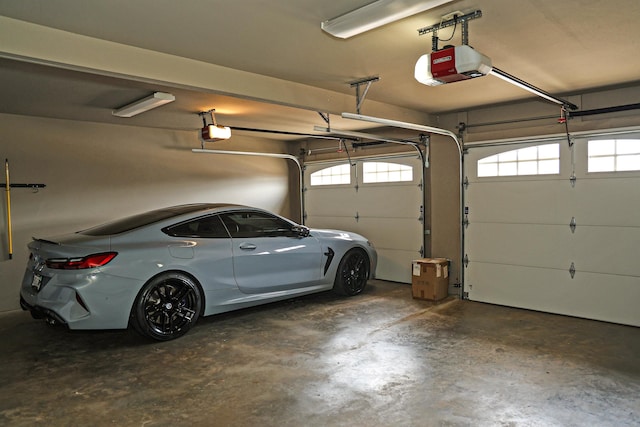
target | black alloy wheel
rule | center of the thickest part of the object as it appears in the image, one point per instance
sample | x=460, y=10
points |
x=353, y=272
x=167, y=307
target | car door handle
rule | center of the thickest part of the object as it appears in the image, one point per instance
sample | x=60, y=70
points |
x=247, y=246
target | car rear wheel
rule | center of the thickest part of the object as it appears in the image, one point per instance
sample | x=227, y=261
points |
x=167, y=306
x=353, y=272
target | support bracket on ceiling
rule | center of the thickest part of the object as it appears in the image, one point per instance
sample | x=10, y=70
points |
x=361, y=96
x=462, y=19
x=325, y=117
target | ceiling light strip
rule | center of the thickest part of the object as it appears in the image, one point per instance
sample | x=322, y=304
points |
x=145, y=104
x=375, y=15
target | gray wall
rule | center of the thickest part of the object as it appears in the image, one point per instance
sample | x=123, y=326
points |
x=445, y=203
x=95, y=173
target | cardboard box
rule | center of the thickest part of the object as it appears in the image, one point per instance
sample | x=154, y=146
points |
x=430, y=278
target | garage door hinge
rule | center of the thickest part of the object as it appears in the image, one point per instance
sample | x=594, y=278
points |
x=573, y=224
x=357, y=217
x=465, y=221
x=573, y=180
x=465, y=295
x=466, y=260
x=466, y=182
x=572, y=270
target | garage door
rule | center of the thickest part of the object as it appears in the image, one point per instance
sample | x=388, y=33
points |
x=378, y=198
x=554, y=227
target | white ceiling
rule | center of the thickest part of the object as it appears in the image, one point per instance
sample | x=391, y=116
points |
x=564, y=47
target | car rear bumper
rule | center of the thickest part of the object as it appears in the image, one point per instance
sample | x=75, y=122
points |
x=42, y=313
x=81, y=301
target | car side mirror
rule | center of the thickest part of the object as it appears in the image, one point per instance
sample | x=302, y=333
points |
x=301, y=230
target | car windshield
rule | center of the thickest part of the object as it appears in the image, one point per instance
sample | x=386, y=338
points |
x=146, y=218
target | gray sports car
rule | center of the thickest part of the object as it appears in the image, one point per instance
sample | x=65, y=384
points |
x=159, y=271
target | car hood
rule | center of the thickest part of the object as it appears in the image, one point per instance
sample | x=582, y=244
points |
x=337, y=234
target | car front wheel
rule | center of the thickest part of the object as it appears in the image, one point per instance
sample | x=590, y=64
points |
x=167, y=306
x=353, y=272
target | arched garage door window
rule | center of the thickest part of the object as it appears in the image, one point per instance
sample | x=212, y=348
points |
x=334, y=175
x=536, y=160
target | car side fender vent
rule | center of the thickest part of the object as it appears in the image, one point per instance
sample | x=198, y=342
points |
x=329, y=254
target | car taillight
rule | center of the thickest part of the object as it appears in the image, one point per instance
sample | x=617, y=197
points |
x=89, y=261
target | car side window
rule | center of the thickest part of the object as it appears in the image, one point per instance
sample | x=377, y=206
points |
x=206, y=227
x=256, y=224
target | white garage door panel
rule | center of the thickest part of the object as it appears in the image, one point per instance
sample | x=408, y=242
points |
x=590, y=295
x=607, y=250
x=517, y=286
x=521, y=200
x=334, y=223
x=400, y=201
x=611, y=298
x=610, y=201
x=393, y=266
x=392, y=233
x=556, y=247
x=520, y=248
x=519, y=244
x=341, y=202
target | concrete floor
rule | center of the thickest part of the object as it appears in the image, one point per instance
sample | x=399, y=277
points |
x=378, y=359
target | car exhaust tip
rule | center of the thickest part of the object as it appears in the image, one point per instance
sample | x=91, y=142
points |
x=50, y=317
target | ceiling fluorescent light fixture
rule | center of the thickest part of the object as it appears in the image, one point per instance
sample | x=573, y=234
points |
x=145, y=104
x=376, y=14
x=213, y=132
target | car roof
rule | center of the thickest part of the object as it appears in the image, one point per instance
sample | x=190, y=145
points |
x=154, y=216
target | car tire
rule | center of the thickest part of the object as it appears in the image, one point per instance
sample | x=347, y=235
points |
x=167, y=306
x=352, y=274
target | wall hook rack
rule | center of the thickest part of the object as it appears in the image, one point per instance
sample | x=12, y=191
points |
x=8, y=186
